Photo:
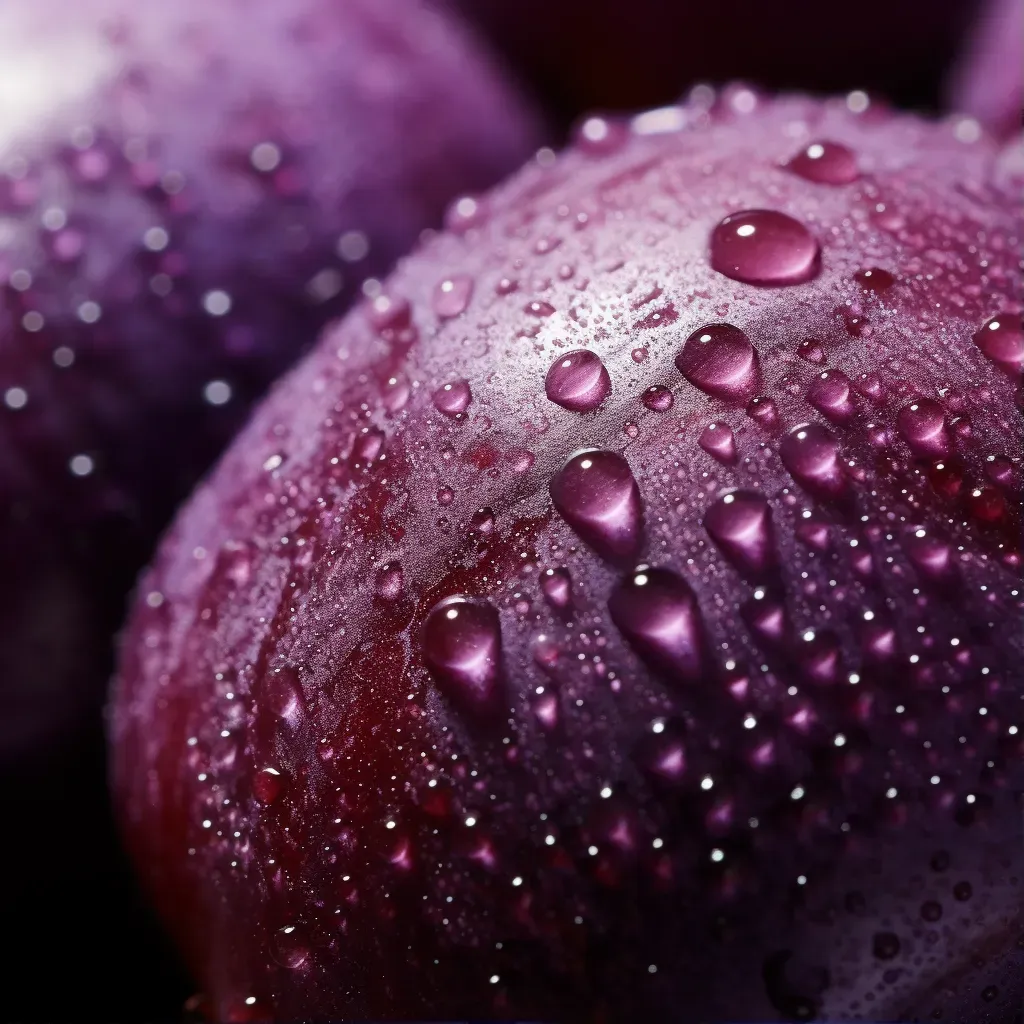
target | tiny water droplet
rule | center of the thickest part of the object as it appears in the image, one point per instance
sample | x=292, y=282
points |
x=810, y=454
x=367, y=447
x=596, y=494
x=932, y=557
x=811, y=350
x=740, y=523
x=657, y=613
x=718, y=440
x=578, y=381
x=453, y=398
x=764, y=247
x=763, y=411
x=658, y=398
x=539, y=309
x=1001, y=340
x=462, y=649
x=831, y=395
x=922, y=424
x=451, y=296
x=389, y=313
x=720, y=360
x=826, y=163
x=556, y=585
x=597, y=135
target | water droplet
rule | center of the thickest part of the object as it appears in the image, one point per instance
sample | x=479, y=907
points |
x=367, y=447
x=539, y=309
x=986, y=505
x=390, y=582
x=763, y=411
x=932, y=557
x=885, y=945
x=462, y=649
x=658, y=398
x=811, y=350
x=451, y=297
x=831, y=395
x=810, y=454
x=596, y=494
x=453, y=398
x=874, y=279
x=661, y=754
x=1002, y=341
x=657, y=613
x=578, y=381
x=819, y=656
x=639, y=355
x=720, y=360
x=826, y=163
x=481, y=523
x=718, y=440
x=740, y=523
x=922, y=424
x=281, y=694
x=597, y=135
x=445, y=496
x=764, y=247
x=268, y=785
x=767, y=619
x=556, y=585
x=931, y=910
x=946, y=478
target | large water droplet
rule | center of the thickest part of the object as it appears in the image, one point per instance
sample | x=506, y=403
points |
x=596, y=494
x=811, y=455
x=718, y=440
x=657, y=612
x=453, y=398
x=721, y=361
x=451, y=297
x=826, y=163
x=1002, y=341
x=831, y=394
x=462, y=649
x=578, y=381
x=740, y=523
x=764, y=247
x=922, y=424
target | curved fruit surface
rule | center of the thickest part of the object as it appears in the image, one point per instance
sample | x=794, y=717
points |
x=505, y=708
x=188, y=192
x=616, y=55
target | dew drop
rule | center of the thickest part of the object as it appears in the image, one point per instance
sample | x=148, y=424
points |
x=826, y=163
x=718, y=440
x=922, y=424
x=451, y=296
x=578, y=381
x=369, y=443
x=831, y=395
x=874, y=279
x=932, y=557
x=462, y=649
x=453, y=398
x=810, y=454
x=657, y=613
x=811, y=350
x=658, y=398
x=931, y=910
x=281, y=694
x=763, y=411
x=598, y=135
x=556, y=585
x=720, y=360
x=885, y=945
x=596, y=494
x=390, y=582
x=740, y=523
x=946, y=478
x=268, y=785
x=481, y=523
x=1001, y=340
x=539, y=309
x=764, y=247
x=289, y=947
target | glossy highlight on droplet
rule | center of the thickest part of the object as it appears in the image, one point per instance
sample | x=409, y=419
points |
x=721, y=361
x=578, y=381
x=453, y=398
x=764, y=247
x=451, y=296
x=596, y=494
x=462, y=649
x=657, y=613
x=1001, y=341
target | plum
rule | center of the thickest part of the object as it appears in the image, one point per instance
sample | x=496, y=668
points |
x=615, y=55
x=614, y=618
x=188, y=192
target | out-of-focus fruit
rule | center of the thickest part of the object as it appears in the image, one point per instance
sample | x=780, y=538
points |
x=582, y=55
x=188, y=191
x=676, y=680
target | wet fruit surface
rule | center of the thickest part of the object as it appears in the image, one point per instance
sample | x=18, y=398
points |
x=706, y=703
x=188, y=192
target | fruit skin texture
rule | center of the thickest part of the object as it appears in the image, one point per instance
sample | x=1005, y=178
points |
x=313, y=779
x=139, y=184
